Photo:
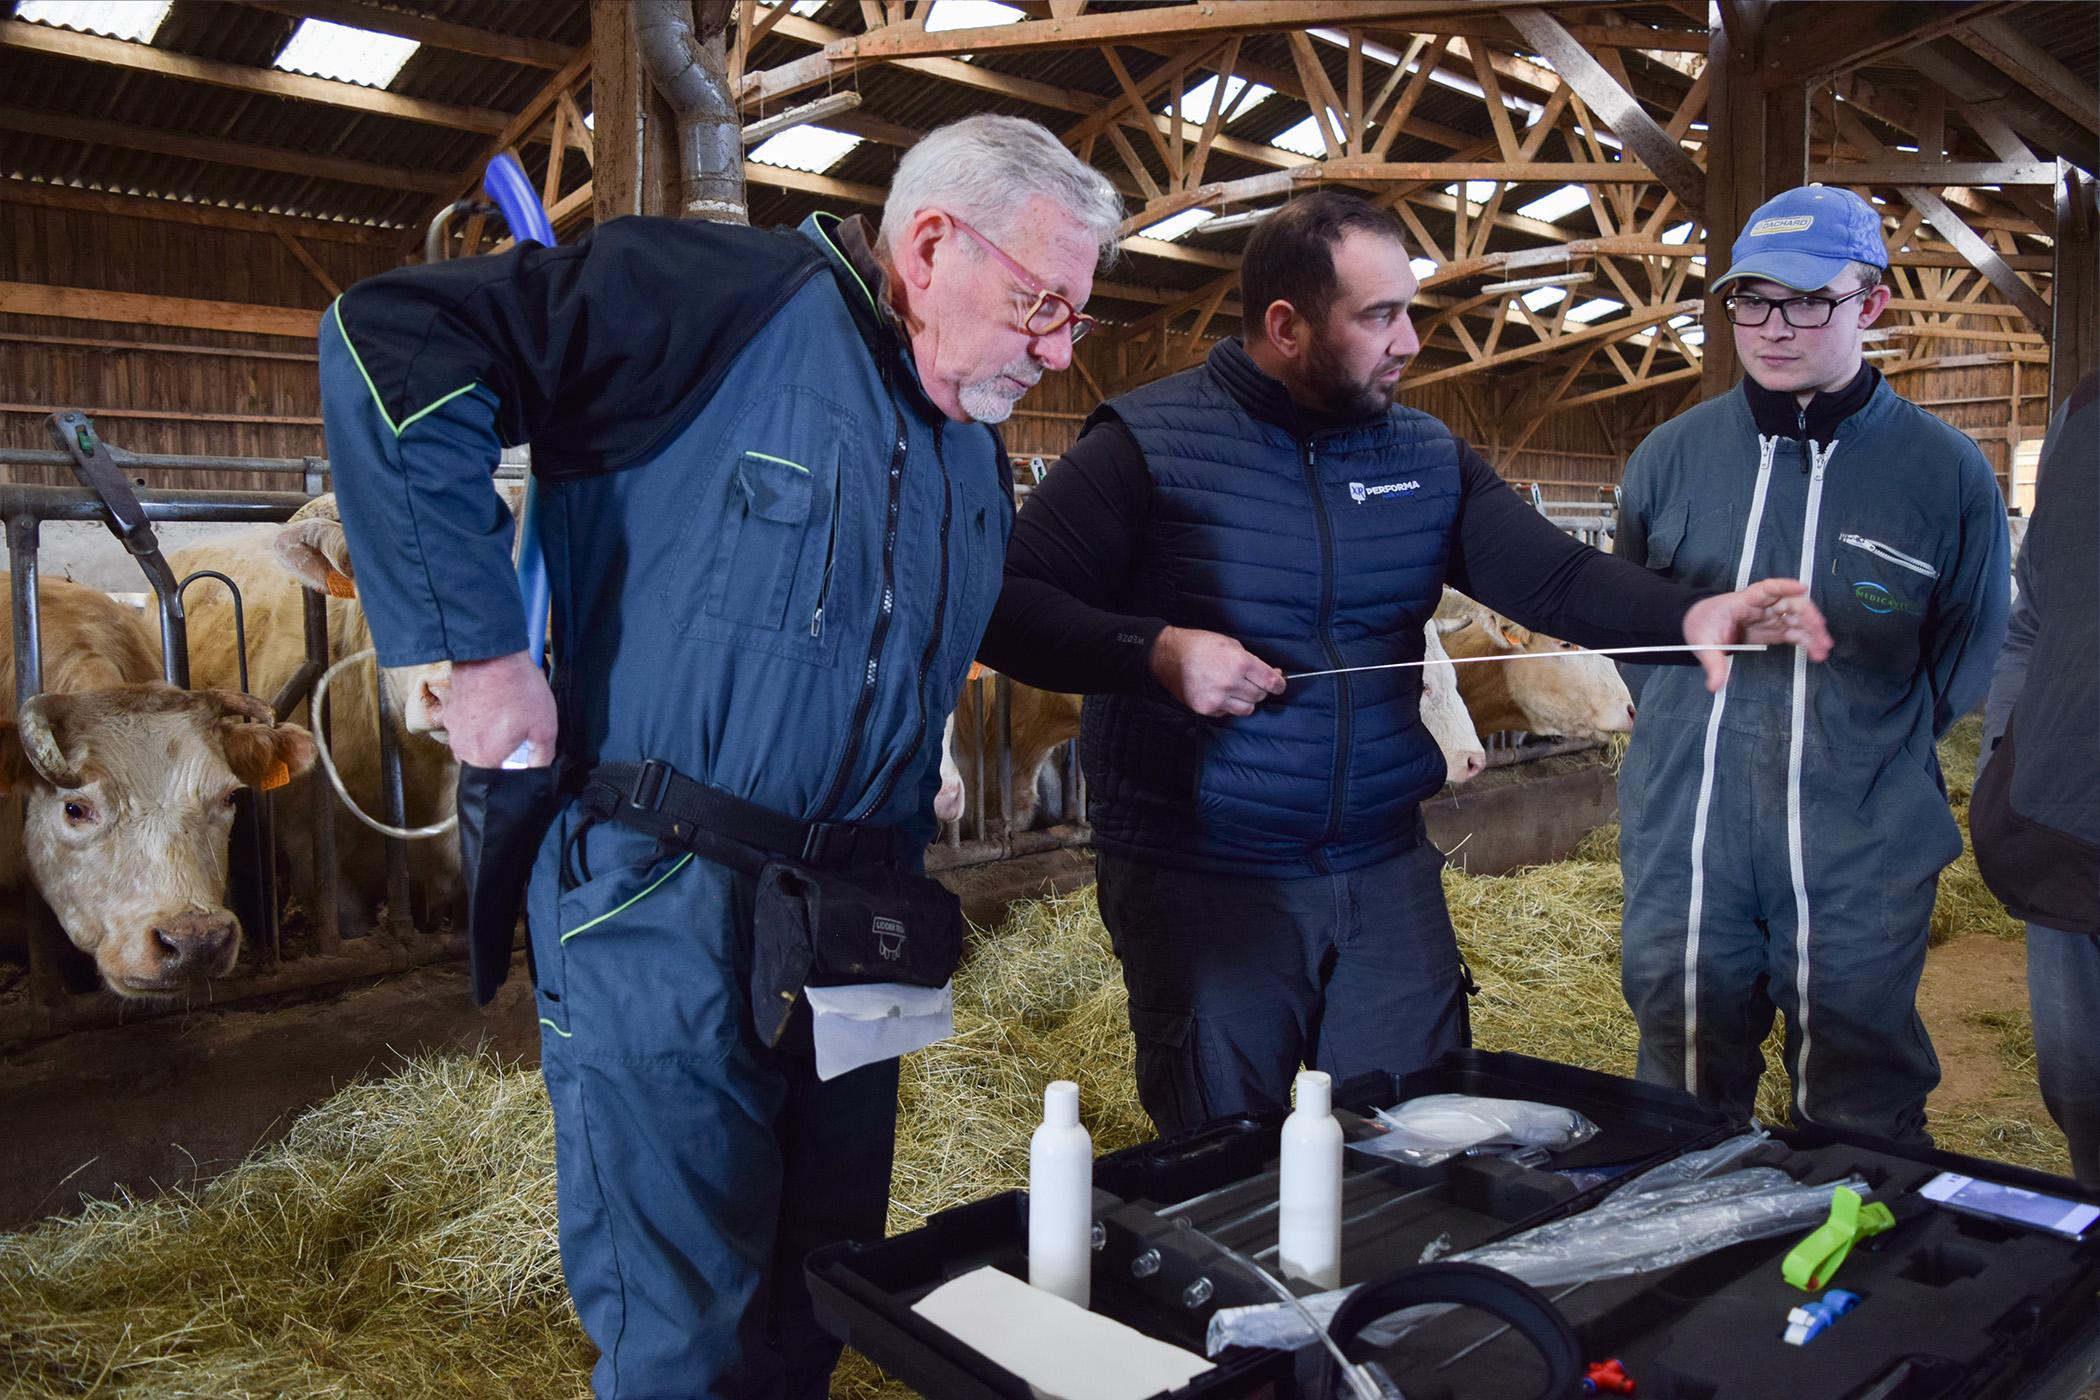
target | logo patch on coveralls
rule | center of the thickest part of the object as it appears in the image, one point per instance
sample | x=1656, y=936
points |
x=1876, y=599
x=889, y=939
x=1360, y=493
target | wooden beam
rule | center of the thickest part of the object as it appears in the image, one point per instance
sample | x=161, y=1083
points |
x=782, y=179
x=229, y=352
x=143, y=58
x=170, y=415
x=511, y=134
x=437, y=33
x=1129, y=26
x=2039, y=71
x=1981, y=255
x=2002, y=172
x=132, y=308
x=1653, y=381
x=2075, y=348
x=1615, y=106
x=1586, y=172
x=307, y=261
x=176, y=212
x=1807, y=43
x=1609, y=330
x=211, y=148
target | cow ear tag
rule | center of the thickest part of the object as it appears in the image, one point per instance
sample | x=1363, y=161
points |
x=276, y=778
x=340, y=585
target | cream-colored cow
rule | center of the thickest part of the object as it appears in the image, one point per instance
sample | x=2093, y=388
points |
x=1578, y=694
x=130, y=787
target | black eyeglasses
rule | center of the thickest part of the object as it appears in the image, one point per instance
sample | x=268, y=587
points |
x=1802, y=313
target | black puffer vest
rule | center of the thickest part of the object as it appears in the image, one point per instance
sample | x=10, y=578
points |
x=1315, y=548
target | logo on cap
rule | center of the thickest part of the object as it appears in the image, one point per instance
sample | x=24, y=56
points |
x=1793, y=224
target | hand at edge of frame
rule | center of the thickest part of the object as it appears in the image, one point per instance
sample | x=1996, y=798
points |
x=495, y=707
x=1211, y=673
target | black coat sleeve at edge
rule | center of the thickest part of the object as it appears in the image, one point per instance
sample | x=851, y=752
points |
x=1068, y=571
x=1508, y=556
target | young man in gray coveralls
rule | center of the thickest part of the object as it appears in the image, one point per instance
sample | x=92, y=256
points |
x=1782, y=839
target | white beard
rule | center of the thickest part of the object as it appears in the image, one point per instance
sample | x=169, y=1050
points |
x=989, y=400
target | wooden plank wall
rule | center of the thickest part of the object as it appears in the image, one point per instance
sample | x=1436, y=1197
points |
x=203, y=392
x=198, y=391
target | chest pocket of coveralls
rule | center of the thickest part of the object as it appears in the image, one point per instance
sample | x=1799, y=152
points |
x=1881, y=597
x=1666, y=534
x=765, y=535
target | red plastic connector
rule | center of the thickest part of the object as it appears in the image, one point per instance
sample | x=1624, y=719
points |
x=1607, y=1378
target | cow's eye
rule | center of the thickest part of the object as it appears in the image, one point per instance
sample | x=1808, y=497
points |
x=80, y=813
x=228, y=800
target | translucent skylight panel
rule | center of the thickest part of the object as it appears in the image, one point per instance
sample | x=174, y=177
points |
x=136, y=20
x=1554, y=207
x=969, y=14
x=1680, y=234
x=1378, y=52
x=1302, y=139
x=1477, y=191
x=814, y=149
x=804, y=8
x=345, y=54
x=1595, y=309
x=1174, y=226
x=1241, y=97
x=1539, y=298
x=1421, y=267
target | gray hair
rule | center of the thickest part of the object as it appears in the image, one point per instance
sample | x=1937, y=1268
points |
x=987, y=169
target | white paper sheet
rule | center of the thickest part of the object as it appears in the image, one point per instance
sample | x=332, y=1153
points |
x=1063, y=1351
x=855, y=1026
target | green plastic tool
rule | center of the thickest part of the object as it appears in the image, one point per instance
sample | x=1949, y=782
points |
x=1810, y=1264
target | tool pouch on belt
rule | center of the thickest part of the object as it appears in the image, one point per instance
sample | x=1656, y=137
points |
x=833, y=907
x=833, y=928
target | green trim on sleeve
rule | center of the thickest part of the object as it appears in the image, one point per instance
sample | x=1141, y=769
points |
x=683, y=862
x=377, y=402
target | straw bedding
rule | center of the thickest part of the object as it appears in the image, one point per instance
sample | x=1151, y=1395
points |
x=399, y=1242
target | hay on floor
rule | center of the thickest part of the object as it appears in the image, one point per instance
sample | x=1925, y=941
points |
x=399, y=1243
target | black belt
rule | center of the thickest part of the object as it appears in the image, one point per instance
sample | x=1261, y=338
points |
x=658, y=800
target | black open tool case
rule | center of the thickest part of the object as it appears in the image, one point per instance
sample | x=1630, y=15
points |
x=1953, y=1306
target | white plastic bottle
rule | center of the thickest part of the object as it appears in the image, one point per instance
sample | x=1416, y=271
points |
x=1309, y=1196
x=1061, y=1198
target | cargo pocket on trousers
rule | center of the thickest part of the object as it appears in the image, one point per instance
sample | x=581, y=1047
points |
x=1170, y=1082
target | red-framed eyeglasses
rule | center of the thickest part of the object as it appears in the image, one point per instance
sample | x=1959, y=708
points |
x=1049, y=313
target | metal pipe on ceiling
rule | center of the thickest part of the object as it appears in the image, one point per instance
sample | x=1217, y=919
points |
x=684, y=47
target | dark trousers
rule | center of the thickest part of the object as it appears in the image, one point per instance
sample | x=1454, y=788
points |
x=2063, y=987
x=695, y=1168
x=1237, y=981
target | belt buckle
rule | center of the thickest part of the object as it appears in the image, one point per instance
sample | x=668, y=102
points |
x=822, y=836
x=650, y=785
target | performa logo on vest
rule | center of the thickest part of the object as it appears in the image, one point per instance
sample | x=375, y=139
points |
x=1360, y=493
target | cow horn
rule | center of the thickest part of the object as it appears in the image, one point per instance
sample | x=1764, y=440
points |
x=41, y=745
x=234, y=702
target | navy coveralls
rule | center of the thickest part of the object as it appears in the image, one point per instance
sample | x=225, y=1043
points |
x=1782, y=841
x=778, y=595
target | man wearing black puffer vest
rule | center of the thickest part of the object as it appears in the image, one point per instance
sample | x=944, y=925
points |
x=1263, y=868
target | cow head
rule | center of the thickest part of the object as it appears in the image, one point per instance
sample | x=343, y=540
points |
x=312, y=549
x=1578, y=694
x=948, y=803
x=130, y=801
x=1444, y=710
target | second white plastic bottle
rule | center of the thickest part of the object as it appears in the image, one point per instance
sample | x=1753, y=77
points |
x=1061, y=1198
x=1309, y=1195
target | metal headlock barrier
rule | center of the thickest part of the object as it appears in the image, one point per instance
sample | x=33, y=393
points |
x=265, y=968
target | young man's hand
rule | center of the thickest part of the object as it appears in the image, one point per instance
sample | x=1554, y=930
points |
x=1775, y=611
x=1211, y=673
x=496, y=706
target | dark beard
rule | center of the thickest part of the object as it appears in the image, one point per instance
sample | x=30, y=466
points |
x=1340, y=395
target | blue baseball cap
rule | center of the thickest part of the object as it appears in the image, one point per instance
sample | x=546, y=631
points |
x=1803, y=238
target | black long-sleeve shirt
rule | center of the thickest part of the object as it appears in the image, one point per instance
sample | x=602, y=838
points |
x=1062, y=621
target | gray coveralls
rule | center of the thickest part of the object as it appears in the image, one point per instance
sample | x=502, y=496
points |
x=1782, y=841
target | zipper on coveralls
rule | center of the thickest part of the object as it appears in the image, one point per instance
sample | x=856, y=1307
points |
x=1889, y=555
x=1334, y=657
x=933, y=644
x=866, y=704
x=831, y=552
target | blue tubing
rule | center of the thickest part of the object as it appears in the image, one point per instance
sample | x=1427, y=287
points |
x=506, y=184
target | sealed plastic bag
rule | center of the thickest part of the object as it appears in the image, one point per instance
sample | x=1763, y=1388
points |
x=1682, y=1210
x=1425, y=1131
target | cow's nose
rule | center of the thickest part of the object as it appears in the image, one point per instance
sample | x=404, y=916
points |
x=194, y=939
x=435, y=692
x=1475, y=762
x=1629, y=714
